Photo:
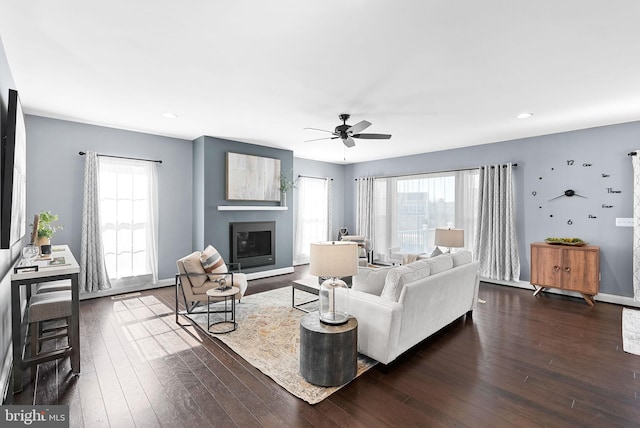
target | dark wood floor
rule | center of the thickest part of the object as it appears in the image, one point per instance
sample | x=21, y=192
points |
x=521, y=361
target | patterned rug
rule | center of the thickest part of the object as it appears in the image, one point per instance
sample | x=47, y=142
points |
x=268, y=337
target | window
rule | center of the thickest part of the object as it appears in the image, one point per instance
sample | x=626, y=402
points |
x=128, y=211
x=408, y=209
x=313, y=220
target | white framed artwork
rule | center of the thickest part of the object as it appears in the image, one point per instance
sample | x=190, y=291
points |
x=252, y=178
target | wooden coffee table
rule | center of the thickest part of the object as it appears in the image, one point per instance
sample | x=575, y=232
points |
x=310, y=285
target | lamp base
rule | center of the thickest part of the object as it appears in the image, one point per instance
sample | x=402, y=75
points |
x=330, y=309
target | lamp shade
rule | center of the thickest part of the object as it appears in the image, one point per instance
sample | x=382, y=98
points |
x=334, y=259
x=449, y=238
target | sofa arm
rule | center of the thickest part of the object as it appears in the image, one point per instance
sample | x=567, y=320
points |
x=379, y=323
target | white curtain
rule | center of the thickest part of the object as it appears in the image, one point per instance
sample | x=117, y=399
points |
x=496, y=246
x=129, y=211
x=93, y=272
x=636, y=225
x=313, y=216
x=364, y=207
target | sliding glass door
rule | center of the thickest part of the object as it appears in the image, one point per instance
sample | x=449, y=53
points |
x=408, y=209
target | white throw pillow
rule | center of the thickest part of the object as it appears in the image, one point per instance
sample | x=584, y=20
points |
x=440, y=263
x=399, y=276
x=462, y=258
x=370, y=280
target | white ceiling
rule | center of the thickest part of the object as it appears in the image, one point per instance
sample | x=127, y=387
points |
x=435, y=74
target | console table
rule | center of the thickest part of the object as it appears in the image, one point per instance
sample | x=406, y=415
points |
x=69, y=270
x=567, y=268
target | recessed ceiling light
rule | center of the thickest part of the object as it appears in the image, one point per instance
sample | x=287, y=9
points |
x=524, y=115
x=170, y=115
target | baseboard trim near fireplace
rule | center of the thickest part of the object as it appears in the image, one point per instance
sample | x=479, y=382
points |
x=269, y=273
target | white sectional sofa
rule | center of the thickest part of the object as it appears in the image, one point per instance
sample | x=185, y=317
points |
x=399, y=307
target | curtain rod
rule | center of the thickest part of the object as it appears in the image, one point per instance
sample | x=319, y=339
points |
x=436, y=172
x=632, y=154
x=123, y=157
x=319, y=178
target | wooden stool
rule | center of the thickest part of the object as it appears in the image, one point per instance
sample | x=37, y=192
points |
x=49, y=306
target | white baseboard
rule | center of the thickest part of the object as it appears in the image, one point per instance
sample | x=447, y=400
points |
x=121, y=290
x=269, y=273
x=601, y=297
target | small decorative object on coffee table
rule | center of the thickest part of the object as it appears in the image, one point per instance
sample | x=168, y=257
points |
x=328, y=353
x=227, y=294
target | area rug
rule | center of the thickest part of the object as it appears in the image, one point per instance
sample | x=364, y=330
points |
x=268, y=337
x=631, y=331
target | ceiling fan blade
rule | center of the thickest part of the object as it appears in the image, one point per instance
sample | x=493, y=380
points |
x=349, y=142
x=358, y=127
x=316, y=129
x=372, y=136
x=323, y=138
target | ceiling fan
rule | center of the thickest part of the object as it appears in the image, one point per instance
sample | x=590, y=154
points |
x=348, y=132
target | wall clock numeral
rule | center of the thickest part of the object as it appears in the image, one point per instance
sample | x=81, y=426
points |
x=586, y=165
x=570, y=162
x=569, y=222
x=610, y=190
x=607, y=206
x=534, y=193
x=592, y=216
x=605, y=175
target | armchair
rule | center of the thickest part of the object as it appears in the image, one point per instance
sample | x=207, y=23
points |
x=202, y=271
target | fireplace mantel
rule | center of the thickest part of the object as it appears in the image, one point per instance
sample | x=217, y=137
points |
x=250, y=208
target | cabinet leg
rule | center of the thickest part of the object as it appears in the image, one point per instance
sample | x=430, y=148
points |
x=538, y=290
x=589, y=299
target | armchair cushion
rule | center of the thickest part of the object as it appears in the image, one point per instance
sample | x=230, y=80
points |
x=212, y=262
x=192, y=265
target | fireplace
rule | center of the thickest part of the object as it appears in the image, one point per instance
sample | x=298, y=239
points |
x=253, y=243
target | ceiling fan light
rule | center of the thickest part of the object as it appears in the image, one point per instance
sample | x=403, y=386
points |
x=524, y=115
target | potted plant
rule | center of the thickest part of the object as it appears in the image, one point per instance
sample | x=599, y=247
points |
x=286, y=183
x=45, y=228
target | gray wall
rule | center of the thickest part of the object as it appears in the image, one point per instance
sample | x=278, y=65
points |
x=7, y=257
x=546, y=156
x=216, y=223
x=56, y=175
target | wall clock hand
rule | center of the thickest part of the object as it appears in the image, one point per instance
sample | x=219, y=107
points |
x=568, y=193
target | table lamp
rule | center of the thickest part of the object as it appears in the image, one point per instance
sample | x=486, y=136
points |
x=452, y=238
x=333, y=259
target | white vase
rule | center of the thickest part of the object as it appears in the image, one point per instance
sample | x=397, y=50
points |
x=283, y=199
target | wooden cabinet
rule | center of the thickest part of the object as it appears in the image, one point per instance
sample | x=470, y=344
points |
x=566, y=267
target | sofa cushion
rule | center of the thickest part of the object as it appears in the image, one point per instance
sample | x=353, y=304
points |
x=397, y=277
x=370, y=280
x=192, y=265
x=440, y=263
x=462, y=258
x=212, y=262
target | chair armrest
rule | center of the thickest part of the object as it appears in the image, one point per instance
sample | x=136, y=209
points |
x=239, y=268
